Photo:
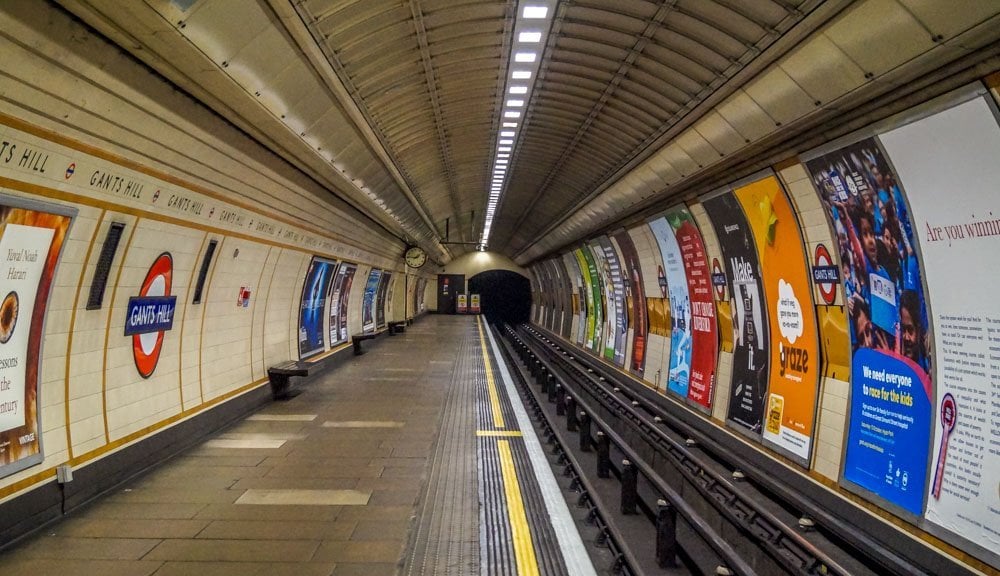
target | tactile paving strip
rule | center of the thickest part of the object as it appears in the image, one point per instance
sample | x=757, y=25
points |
x=447, y=537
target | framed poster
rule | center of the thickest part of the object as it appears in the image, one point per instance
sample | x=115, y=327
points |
x=313, y=305
x=31, y=238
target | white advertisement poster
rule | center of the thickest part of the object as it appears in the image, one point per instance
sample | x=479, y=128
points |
x=949, y=167
x=23, y=252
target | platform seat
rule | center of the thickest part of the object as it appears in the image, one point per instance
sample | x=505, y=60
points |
x=357, y=339
x=397, y=327
x=280, y=377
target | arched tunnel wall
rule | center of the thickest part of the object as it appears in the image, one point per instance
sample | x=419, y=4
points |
x=94, y=145
x=830, y=310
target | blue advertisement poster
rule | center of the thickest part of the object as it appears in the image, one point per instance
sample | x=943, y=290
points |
x=368, y=305
x=313, y=305
x=678, y=378
x=890, y=408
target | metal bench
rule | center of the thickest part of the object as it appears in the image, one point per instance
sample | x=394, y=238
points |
x=357, y=339
x=280, y=376
x=397, y=327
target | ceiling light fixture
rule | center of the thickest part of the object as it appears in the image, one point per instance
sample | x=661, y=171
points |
x=531, y=27
x=535, y=12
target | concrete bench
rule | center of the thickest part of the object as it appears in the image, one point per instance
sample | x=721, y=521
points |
x=280, y=377
x=357, y=339
x=397, y=327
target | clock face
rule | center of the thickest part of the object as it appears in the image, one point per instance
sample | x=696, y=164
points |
x=415, y=257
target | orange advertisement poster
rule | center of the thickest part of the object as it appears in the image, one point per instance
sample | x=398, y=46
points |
x=790, y=408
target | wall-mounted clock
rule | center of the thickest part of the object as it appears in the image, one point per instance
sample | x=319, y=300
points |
x=415, y=257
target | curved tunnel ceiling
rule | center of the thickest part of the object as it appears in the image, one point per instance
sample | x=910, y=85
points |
x=394, y=104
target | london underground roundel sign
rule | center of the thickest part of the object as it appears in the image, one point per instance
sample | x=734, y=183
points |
x=150, y=314
x=825, y=274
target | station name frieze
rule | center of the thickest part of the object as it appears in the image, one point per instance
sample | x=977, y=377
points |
x=89, y=173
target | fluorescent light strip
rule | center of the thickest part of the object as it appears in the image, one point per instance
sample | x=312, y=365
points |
x=530, y=28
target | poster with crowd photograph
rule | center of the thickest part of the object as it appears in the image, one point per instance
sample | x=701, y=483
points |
x=313, y=306
x=368, y=304
x=751, y=348
x=679, y=371
x=793, y=385
x=948, y=169
x=340, y=292
x=703, y=334
x=635, y=302
x=31, y=238
x=889, y=416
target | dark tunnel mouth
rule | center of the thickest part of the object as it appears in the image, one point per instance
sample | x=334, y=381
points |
x=505, y=296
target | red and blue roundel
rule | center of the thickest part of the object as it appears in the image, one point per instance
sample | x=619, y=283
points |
x=151, y=314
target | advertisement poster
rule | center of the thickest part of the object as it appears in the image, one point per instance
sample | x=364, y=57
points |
x=947, y=165
x=551, y=298
x=704, y=337
x=340, y=292
x=380, y=297
x=606, y=346
x=679, y=373
x=368, y=304
x=312, y=308
x=30, y=241
x=597, y=312
x=889, y=417
x=751, y=348
x=421, y=289
x=565, y=288
x=588, y=300
x=793, y=385
x=635, y=302
x=620, y=326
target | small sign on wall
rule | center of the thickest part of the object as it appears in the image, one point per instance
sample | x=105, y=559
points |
x=461, y=304
x=243, y=300
x=474, y=303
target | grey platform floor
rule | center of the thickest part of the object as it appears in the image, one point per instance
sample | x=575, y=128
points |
x=327, y=483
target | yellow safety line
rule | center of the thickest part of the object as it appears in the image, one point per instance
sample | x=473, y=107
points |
x=491, y=386
x=499, y=433
x=524, y=551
